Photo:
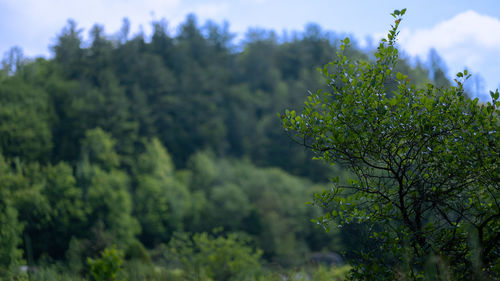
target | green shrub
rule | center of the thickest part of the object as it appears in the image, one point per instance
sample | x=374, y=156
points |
x=107, y=266
x=51, y=273
x=137, y=252
x=204, y=256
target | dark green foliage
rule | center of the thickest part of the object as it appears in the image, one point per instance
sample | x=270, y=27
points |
x=229, y=206
x=192, y=91
x=128, y=140
x=25, y=115
x=67, y=211
x=138, y=253
x=111, y=204
x=222, y=258
x=10, y=227
x=161, y=201
x=98, y=148
x=267, y=203
x=68, y=51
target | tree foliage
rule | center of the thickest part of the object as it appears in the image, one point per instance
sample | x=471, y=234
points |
x=10, y=227
x=161, y=200
x=425, y=162
x=222, y=258
x=126, y=139
x=25, y=116
x=107, y=266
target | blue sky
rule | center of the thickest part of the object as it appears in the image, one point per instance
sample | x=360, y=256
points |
x=465, y=33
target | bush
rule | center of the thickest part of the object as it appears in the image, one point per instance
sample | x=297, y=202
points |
x=222, y=258
x=107, y=266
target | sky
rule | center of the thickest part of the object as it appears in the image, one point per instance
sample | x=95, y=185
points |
x=466, y=34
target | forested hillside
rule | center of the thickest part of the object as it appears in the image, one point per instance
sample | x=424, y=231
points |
x=141, y=141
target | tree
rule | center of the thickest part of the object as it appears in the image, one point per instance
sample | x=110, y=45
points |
x=160, y=201
x=68, y=213
x=228, y=206
x=111, y=204
x=426, y=167
x=10, y=228
x=278, y=217
x=209, y=257
x=438, y=69
x=98, y=147
x=19, y=184
x=10, y=237
x=106, y=192
x=13, y=60
x=25, y=115
x=68, y=52
x=107, y=266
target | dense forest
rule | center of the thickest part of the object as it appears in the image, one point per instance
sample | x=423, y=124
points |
x=166, y=151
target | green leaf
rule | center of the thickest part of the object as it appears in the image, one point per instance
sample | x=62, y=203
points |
x=495, y=94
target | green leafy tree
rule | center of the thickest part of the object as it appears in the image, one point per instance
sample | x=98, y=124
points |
x=278, y=217
x=111, y=204
x=25, y=115
x=224, y=258
x=21, y=181
x=426, y=167
x=229, y=206
x=10, y=228
x=68, y=213
x=106, y=191
x=98, y=147
x=204, y=171
x=14, y=61
x=107, y=266
x=10, y=237
x=50, y=205
x=161, y=201
x=256, y=62
x=68, y=51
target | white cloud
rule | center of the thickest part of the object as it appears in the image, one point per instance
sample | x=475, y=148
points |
x=207, y=11
x=463, y=29
x=468, y=40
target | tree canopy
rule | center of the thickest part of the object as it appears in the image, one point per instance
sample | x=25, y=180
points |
x=426, y=166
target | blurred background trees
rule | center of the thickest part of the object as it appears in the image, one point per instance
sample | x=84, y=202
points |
x=130, y=139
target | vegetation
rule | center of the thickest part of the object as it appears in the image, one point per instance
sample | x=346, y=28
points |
x=425, y=162
x=107, y=266
x=215, y=258
x=161, y=158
